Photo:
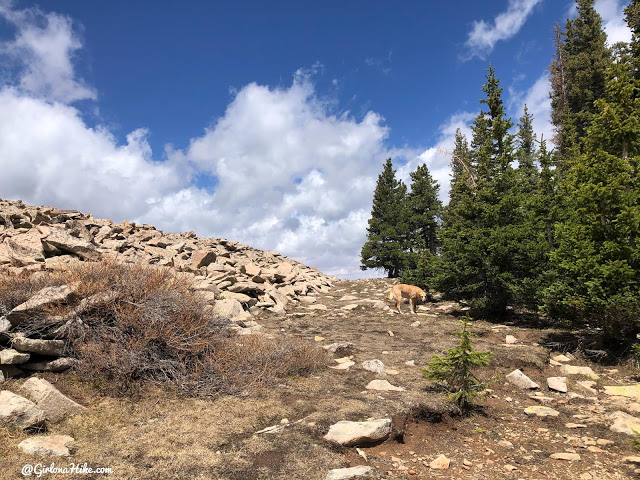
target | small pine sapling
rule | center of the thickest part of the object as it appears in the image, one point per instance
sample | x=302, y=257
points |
x=455, y=369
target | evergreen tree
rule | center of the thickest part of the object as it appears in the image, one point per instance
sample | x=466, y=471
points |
x=388, y=226
x=425, y=211
x=527, y=172
x=597, y=260
x=578, y=79
x=478, y=247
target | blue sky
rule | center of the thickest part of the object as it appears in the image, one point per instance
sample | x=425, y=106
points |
x=264, y=122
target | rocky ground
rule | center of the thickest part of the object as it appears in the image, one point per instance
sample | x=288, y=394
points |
x=292, y=430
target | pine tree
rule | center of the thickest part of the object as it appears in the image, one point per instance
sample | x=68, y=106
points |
x=425, y=212
x=425, y=209
x=577, y=79
x=388, y=227
x=528, y=174
x=478, y=247
x=597, y=260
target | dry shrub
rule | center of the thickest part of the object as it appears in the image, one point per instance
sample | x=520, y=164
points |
x=134, y=323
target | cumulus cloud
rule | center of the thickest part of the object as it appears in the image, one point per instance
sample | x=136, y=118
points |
x=612, y=13
x=43, y=50
x=484, y=36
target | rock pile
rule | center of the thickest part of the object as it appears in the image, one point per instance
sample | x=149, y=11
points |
x=238, y=281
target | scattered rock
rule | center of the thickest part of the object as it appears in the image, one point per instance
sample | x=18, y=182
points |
x=624, y=423
x=344, y=365
x=561, y=358
x=9, y=356
x=340, y=348
x=441, y=462
x=319, y=306
x=559, y=384
x=573, y=370
x=53, y=348
x=375, y=366
x=587, y=385
x=49, y=399
x=634, y=459
x=575, y=425
x=17, y=411
x=520, y=380
x=46, y=296
x=356, y=433
x=383, y=385
x=631, y=391
x=510, y=340
x=347, y=473
x=58, y=365
x=57, y=445
x=348, y=298
x=351, y=306
x=572, y=457
x=540, y=411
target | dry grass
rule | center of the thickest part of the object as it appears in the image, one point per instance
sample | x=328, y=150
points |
x=132, y=323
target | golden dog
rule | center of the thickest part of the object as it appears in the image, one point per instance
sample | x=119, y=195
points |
x=411, y=292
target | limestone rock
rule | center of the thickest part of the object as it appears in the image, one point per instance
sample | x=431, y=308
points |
x=58, y=365
x=202, y=258
x=587, y=385
x=375, y=366
x=46, y=296
x=624, y=423
x=572, y=457
x=351, y=306
x=348, y=298
x=318, y=306
x=347, y=473
x=59, y=240
x=240, y=297
x=561, y=358
x=356, y=433
x=49, y=399
x=57, y=445
x=520, y=380
x=229, y=308
x=441, y=462
x=9, y=356
x=630, y=391
x=26, y=248
x=340, y=348
x=383, y=385
x=540, y=411
x=17, y=411
x=574, y=370
x=344, y=365
x=510, y=340
x=42, y=347
x=559, y=384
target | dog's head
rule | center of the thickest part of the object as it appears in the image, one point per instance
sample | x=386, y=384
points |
x=423, y=297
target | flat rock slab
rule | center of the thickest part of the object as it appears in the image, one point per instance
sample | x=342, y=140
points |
x=572, y=457
x=348, y=298
x=559, y=384
x=625, y=423
x=573, y=370
x=58, y=365
x=17, y=411
x=383, y=385
x=561, y=358
x=356, y=433
x=49, y=399
x=520, y=380
x=631, y=391
x=351, y=306
x=347, y=473
x=375, y=366
x=57, y=445
x=53, y=348
x=540, y=411
x=319, y=306
x=44, y=297
x=587, y=386
x=510, y=340
x=9, y=356
x=344, y=365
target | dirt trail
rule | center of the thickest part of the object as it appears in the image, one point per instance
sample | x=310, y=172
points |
x=500, y=442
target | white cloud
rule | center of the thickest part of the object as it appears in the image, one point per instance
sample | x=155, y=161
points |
x=612, y=13
x=539, y=104
x=43, y=50
x=484, y=36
